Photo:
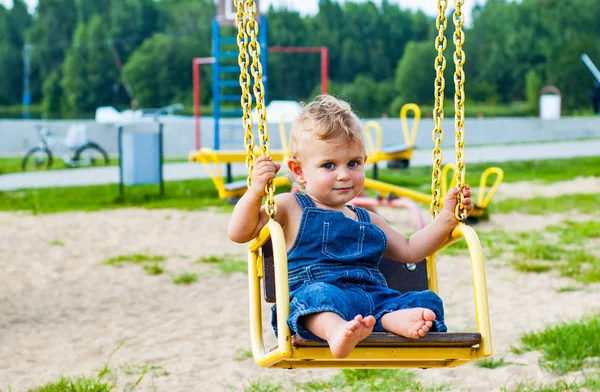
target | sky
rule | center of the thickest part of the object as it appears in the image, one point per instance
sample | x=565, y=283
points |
x=429, y=7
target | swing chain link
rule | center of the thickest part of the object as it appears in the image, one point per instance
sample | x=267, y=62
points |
x=459, y=106
x=438, y=111
x=246, y=98
x=259, y=96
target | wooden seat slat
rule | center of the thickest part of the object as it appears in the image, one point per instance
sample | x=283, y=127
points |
x=432, y=339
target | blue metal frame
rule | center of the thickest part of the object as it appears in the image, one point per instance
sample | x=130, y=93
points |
x=216, y=44
x=219, y=69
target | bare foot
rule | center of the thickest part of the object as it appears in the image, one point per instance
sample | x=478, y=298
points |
x=343, y=337
x=410, y=323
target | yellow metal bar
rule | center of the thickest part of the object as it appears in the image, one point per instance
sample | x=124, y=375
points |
x=389, y=353
x=230, y=156
x=273, y=231
x=285, y=147
x=409, y=138
x=368, y=364
x=396, y=190
x=432, y=280
x=482, y=313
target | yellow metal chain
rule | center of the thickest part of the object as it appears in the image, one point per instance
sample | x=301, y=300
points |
x=438, y=111
x=246, y=99
x=259, y=96
x=459, y=105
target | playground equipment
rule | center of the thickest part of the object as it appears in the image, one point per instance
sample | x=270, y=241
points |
x=267, y=253
x=398, y=156
x=213, y=158
x=484, y=194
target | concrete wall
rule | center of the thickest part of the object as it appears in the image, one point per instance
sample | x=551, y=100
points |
x=17, y=136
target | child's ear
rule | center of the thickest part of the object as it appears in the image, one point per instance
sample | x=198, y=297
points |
x=296, y=169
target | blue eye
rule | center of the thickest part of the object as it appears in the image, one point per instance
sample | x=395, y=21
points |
x=328, y=165
x=353, y=163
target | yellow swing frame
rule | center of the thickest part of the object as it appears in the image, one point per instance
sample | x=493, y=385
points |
x=426, y=352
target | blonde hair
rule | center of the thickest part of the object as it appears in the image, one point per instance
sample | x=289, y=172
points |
x=326, y=118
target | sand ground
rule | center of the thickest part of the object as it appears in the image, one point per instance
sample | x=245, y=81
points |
x=63, y=312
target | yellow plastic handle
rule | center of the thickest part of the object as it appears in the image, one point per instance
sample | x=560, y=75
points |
x=484, y=199
x=410, y=136
x=373, y=148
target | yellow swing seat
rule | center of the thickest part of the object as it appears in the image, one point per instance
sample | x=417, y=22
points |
x=268, y=262
x=267, y=256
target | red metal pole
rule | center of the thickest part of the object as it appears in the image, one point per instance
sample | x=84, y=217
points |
x=196, y=81
x=196, y=77
x=324, y=69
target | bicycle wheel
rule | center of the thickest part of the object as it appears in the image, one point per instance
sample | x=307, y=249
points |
x=38, y=158
x=90, y=154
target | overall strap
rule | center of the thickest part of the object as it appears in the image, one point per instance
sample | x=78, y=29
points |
x=362, y=214
x=304, y=200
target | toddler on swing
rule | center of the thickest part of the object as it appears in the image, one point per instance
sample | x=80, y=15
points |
x=337, y=294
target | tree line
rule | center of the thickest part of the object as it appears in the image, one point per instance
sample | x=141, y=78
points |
x=85, y=54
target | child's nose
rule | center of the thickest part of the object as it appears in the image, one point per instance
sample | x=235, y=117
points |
x=343, y=174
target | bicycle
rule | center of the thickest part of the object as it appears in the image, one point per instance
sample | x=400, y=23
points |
x=75, y=150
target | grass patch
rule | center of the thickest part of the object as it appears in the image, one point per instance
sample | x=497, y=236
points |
x=242, y=354
x=227, y=263
x=186, y=278
x=56, y=243
x=560, y=386
x=196, y=194
x=575, y=232
x=560, y=247
x=546, y=171
x=383, y=380
x=568, y=289
x=154, y=269
x=491, y=363
x=183, y=195
x=79, y=384
x=13, y=164
x=582, y=266
x=136, y=258
x=567, y=346
x=151, y=264
x=583, y=203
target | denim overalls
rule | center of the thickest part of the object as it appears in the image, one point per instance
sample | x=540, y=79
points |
x=333, y=267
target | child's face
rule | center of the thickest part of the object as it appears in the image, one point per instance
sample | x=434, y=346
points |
x=333, y=173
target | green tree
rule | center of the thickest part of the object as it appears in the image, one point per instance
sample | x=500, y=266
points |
x=415, y=74
x=159, y=71
x=52, y=95
x=89, y=71
x=50, y=35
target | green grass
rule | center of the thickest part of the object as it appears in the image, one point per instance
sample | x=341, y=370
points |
x=136, y=258
x=151, y=264
x=546, y=171
x=186, y=278
x=491, y=363
x=197, y=194
x=592, y=383
x=227, y=263
x=381, y=380
x=184, y=195
x=575, y=232
x=56, y=243
x=582, y=203
x=568, y=346
x=154, y=269
x=13, y=164
x=78, y=384
x=562, y=247
x=243, y=354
